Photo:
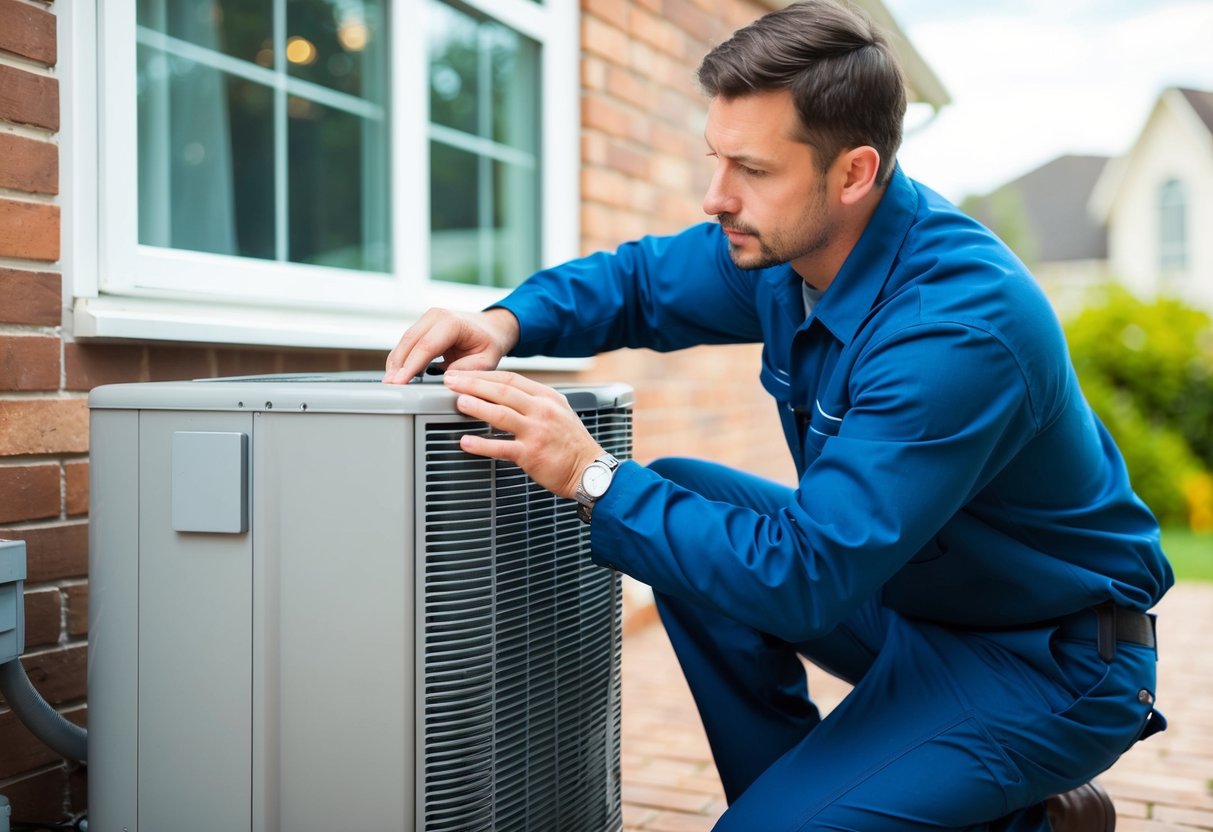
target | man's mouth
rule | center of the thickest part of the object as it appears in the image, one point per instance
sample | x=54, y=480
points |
x=735, y=234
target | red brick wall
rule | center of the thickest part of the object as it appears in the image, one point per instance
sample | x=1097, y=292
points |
x=644, y=171
x=43, y=430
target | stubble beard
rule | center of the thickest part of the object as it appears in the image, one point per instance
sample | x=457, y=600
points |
x=812, y=234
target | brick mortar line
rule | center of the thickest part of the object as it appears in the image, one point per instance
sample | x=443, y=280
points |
x=25, y=395
x=29, y=329
x=25, y=265
x=25, y=459
x=14, y=195
x=45, y=650
x=27, y=525
x=26, y=65
x=28, y=131
x=27, y=775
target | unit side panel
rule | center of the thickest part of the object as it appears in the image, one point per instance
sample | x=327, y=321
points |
x=333, y=654
x=195, y=647
x=113, y=613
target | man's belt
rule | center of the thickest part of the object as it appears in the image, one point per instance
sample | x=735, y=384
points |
x=1107, y=624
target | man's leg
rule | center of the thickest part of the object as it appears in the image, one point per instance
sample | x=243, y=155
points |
x=944, y=730
x=749, y=686
x=955, y=730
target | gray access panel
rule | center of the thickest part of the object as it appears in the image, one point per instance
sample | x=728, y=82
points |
x=210, y=478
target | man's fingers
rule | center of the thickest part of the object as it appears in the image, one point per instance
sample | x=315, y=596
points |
x=432, y=336
x=501, y=417
x=503, y=388
x=504, y=449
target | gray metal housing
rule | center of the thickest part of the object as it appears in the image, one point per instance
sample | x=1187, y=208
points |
x=309, y=610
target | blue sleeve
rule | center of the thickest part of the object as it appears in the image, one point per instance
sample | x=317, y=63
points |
x=935, y=412
x=664, y=293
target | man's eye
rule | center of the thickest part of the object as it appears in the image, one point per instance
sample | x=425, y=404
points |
x=748, y=171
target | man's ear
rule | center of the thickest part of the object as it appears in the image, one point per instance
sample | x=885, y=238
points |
x=857, y=169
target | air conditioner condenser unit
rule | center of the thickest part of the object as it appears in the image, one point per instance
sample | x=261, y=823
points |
x=310, y=610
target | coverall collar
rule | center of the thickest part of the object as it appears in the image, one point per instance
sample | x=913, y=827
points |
x=869, y=266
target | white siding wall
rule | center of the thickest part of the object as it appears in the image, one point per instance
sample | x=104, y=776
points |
x=1173, y=145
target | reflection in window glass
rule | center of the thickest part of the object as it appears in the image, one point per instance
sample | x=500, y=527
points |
x=484, y=149
x=332, y=42
x=263, y=143
x=239, y=28
x=331, y=222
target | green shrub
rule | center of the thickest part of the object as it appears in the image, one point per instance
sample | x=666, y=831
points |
x=1147, y=369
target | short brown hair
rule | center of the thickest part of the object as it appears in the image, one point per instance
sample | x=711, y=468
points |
x=845, y=81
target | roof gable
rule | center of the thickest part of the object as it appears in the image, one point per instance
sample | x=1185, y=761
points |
x=1053, y=202
x=1201, y=103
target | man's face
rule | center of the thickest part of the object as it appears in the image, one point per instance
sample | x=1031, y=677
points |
x=766, y=193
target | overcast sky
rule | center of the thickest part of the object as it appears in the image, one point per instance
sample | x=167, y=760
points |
x=1031, y=80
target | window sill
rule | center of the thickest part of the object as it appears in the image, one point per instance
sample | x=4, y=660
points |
x=153, y=319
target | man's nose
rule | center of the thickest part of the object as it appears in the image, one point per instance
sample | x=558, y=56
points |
x=718, y=199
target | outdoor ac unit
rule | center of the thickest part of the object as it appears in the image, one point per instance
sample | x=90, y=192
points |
x=310, y=610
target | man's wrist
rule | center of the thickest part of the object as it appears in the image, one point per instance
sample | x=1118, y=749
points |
x=593, y=483
x=504, y=324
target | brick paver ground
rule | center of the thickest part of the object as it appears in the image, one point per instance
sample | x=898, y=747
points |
x=1162, y=785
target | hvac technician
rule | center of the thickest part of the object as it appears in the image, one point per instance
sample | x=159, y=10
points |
x=963, y=545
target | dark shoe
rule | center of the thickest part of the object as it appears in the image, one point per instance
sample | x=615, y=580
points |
x=1085, y=809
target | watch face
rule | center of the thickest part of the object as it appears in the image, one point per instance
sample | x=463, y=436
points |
x=596, y=479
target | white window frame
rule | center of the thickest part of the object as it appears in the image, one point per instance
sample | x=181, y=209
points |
x=117, y=288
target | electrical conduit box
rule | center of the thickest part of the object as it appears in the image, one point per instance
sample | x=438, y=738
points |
x=310, y=610
x=12, y=599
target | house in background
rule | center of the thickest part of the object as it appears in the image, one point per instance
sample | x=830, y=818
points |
x=1157, y=202
x=235, y=187
x=1079, y=220
x=1043, y=217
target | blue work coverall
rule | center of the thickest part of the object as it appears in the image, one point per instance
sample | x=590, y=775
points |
x=956, y=499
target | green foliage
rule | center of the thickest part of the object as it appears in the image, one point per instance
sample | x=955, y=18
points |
x=1147, y=369
x=1190, y=553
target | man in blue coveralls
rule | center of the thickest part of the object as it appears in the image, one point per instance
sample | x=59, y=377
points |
x=963, y=544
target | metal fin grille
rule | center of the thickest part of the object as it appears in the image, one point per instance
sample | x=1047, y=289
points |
x=520, y=648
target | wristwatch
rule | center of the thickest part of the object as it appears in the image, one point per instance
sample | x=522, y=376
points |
x=594, y=482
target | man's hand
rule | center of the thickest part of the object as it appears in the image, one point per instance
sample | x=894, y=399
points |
x=550, y=442
x=466, y=341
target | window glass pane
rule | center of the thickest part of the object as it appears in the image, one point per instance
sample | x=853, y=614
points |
x=454, y=53
x=240, y=28
x=338, y=203
x=244, y=157
x=195, y=193
x=454, y=215
x=484, y=218
x=336, y=43
x=1172, y=226
x=484, y=105
x=515, y=223
x=515, y=87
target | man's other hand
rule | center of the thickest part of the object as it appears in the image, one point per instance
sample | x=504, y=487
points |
x=464, y=340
